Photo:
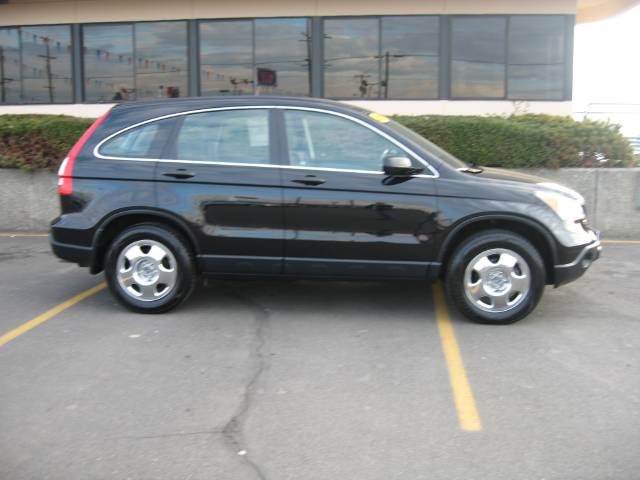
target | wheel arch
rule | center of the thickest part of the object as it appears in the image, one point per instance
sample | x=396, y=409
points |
x=532, y=230
x=118, y=221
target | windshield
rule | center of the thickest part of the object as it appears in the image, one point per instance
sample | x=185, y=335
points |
x=426, y=145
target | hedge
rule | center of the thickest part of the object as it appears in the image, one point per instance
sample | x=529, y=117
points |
x=38, y=141
x=42, y=141
x=529, y=140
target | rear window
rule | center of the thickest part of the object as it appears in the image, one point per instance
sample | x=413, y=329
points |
x=145, y=141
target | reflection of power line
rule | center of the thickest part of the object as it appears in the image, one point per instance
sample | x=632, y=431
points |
x=3, y=80
x=48, y=57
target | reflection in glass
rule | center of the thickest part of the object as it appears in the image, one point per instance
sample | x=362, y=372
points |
x=536, y=57
x=46, y=64
x=410, y=57
x=319, y=140
x=226, y=57
x=9, y=65
x=478, y=57
x=161, y=59
x=240, y=136
x=282, y=47
x=351, y=58
x=108, y=62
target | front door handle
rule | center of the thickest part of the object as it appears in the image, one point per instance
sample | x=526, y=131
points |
x=311, y=180
x=180, y=173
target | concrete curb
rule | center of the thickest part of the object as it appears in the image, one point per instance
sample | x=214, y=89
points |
x=29, y=201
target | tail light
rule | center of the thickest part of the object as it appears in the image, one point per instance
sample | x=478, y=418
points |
x=65, y=172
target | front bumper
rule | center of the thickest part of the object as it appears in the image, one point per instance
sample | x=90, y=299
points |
x=569, y=272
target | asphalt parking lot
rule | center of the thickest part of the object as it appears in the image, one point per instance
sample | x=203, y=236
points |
x=315, y=380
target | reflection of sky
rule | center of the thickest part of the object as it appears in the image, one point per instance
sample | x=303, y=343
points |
x=34, y=71
x=226, y=55
x=159, y=45
x=352, y=49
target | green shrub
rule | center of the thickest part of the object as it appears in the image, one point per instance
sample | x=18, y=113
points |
x=529, y=140
x=42, y=141
x=38, y=141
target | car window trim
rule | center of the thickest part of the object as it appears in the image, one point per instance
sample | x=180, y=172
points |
x=96, y=151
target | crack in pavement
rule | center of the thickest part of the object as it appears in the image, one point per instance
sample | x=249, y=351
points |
x=233, y=431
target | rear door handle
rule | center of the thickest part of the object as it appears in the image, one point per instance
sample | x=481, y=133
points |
x=311, y=180
x=180, y=173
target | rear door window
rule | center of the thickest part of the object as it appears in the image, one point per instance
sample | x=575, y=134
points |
x=145, y=141
x=227, y=136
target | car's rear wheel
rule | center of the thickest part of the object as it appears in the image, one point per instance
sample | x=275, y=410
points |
x=150, y=269
x=495, y=276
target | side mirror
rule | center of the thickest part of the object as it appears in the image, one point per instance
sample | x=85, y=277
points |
x=399, y=166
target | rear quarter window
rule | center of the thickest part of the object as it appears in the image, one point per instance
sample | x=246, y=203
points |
x=145, y=141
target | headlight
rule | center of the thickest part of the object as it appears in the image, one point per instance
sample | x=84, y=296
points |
x=568, y=209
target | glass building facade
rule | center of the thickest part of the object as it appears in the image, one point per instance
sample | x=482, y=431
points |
x=430, y=57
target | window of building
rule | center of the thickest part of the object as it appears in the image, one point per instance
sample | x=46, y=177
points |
x=321, y=140
x=10, y=78
x=387, y=57
x=536, y=57
x=231, y=136
x=108, y=63
x=283, y=56
x=135, y=61
x=161, y=59
x=478, y=57
x=46, y=64
x=262, y=56
x=351, y=58
x=410, y=57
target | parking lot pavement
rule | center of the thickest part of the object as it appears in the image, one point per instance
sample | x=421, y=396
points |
x=314, y=380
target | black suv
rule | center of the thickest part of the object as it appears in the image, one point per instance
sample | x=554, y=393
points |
x=158, y=194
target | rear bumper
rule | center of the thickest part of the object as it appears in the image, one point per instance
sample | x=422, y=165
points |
x=573, y=270
x=71, y=253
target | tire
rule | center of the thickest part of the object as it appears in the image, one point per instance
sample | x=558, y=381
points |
x=150, y=269
x=495, y=277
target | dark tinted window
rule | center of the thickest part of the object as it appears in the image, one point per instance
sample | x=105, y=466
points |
x=282, y=56
x=478, y=57
x=351, y=58
x=46, y=64
x=10, y=58
x=536, y=57
x=145, y=141
x=410, y=57
x=234, y=136
x=327, y=141
x=108, y=62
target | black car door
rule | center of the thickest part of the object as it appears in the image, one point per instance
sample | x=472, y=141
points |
x=343, y=216
x=220, y=174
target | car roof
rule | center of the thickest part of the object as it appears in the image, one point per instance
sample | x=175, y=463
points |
x=173, y=105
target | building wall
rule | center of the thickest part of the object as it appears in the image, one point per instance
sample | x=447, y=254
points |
x=41, y=12
x=33, y=12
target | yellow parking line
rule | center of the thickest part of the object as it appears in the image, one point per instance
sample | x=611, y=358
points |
x=462, y=394
x=633, y=242
x=43, y=317
x=22, y=234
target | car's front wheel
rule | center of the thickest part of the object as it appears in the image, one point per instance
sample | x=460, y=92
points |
x=150, y=269
x=495, y=276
